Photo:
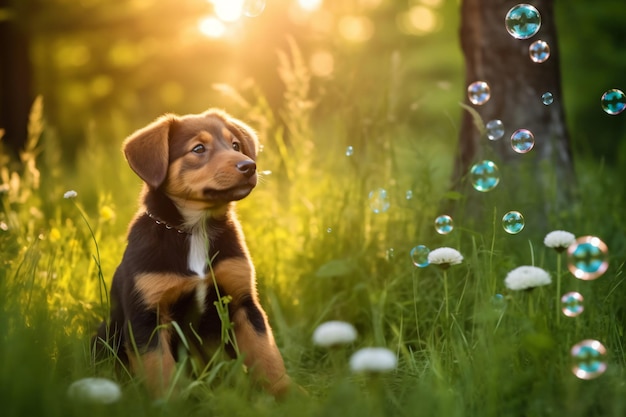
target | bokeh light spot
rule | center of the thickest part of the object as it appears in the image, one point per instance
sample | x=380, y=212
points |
x=356, y=29
x=322, y=63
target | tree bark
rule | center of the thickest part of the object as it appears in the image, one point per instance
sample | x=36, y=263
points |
x=15, y=81
x=541, y=182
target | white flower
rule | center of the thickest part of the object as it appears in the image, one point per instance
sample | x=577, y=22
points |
x=526, y=277
x=95, y=390
x=373, y=360
x=334, y=333
x=444, y=257
x=559, y=240
x=70, y=194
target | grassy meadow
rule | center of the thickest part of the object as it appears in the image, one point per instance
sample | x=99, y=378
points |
x=321, y=254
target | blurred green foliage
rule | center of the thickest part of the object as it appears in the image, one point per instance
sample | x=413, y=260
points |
x=112, y=66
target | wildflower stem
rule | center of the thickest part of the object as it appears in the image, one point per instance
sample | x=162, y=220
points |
x=445, y=290
x=558, y=289
x=415, y=304
x=97, y=260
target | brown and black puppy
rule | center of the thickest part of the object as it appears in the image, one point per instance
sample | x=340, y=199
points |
x=185, y=242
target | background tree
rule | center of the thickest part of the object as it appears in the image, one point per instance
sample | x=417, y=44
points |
x=15, y=77
x=543, y=180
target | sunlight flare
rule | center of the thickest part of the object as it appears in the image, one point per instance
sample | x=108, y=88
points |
x=310, y=5
x=212, y=27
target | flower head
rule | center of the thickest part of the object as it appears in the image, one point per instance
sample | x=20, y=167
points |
x=559, y=240
x=445, y=257
x=373, y=359
x=70, y=194
x=334, y=333
x=95, y=390
x=526, y=277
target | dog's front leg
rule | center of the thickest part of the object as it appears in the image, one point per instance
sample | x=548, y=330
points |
x=252, y=331
x=151, y=359
x=256, y=343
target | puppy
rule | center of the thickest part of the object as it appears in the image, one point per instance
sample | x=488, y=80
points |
x=186, y=249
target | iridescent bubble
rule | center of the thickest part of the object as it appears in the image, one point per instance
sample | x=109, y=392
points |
x=522, y=21
x=379, y=200
x=539, y=51
x=444, y=224
x=478, y=93
x=572, y=304
x=409, y=194
x=522, y=140
x=329, y=230
x=613, y=101
x=495, y=129
x=253, y=8
x=419, y=256
x=513, y=222
x=547, y=98
x=485, y=176
x=588, y=359
x=588, y=258
x=349, y=151
x=390, y=254
x=498, y=302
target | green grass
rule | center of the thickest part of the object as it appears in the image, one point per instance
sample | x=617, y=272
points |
x=321, y=254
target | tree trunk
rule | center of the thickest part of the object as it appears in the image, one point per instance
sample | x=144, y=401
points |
x=539, y=183
x=15, y=81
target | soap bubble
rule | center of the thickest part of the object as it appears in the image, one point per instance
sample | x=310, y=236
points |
x=408, y=195
x=478, y=93
x=495, y=129
x=390, y=254
x=589, y=359
x=485, y=176
x=547, y=98
x=539, y=51
x=523, y=21
x=498, y=302
x=572, y=304
x=349, y=151
x=587, y=258
x=613, y=101
x=513, y=222
x=522, y=141
x=379, y=200
x=419, y=256
x=253, y=8
x=444, y=224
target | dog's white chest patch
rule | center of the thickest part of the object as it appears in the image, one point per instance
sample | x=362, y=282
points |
x=198, y=253
x=197, y=262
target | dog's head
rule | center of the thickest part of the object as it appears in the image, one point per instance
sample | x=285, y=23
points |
x=199, y=161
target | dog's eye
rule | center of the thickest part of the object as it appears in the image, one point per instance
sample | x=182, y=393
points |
x=198, y=149
x=237, y=146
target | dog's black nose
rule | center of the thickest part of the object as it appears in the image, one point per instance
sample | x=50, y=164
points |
x=247, y=168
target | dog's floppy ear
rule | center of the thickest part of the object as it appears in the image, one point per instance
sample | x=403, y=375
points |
x=147, y=151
